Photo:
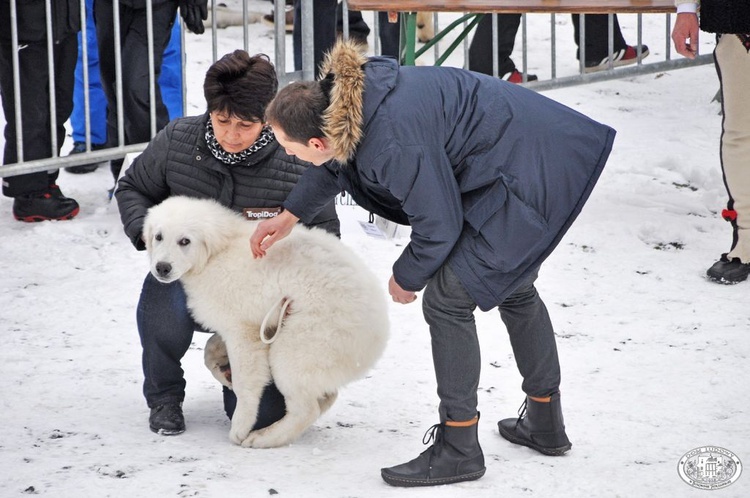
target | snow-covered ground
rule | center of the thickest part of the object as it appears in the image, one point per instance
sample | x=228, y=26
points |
x=654, y=357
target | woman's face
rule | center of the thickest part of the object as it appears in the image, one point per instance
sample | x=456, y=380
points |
x=234, y=134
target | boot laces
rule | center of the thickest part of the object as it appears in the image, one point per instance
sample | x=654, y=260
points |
x=522, y=411
x=433, y=434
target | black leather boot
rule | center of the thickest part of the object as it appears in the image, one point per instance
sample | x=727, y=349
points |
x=167, y=419
x=539, y=426
x=455, y=456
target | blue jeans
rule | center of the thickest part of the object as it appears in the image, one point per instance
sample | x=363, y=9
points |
x=166, y=329
x=449, y=311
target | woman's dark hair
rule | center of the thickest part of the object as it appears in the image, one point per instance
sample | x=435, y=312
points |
x=299, y=109
x=240, y=85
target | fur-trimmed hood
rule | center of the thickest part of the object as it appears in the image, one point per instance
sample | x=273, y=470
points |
x=348, y=112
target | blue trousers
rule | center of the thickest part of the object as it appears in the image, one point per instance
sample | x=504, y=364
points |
x=166, y=330
x=449, y=312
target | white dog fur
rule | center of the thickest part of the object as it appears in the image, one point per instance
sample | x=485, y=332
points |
x=334, y=331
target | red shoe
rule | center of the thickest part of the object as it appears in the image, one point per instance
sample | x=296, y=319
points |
x=623, y=57
x=516, y=76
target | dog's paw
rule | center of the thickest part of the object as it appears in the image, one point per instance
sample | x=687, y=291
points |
x=263, y=438
x=241, y=427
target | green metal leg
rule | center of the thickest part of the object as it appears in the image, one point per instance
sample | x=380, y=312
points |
x=408, y=40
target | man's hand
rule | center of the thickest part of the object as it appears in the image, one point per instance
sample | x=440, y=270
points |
x=271, y=231
x=400, y=295
x=685, y=34
x=193, y=13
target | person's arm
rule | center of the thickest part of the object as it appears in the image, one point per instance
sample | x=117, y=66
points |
x=313, y=191
x=142, y=186
x=422, y=180
x=685, y=34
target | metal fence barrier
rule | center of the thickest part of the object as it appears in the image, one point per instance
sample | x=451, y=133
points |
x=243, y=17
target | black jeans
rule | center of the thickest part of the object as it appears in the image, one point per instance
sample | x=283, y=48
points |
x=480, y=50
x=597, y=36
x=35, y=112
x=135, y=82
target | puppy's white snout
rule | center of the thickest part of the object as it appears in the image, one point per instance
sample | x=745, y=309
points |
x=163, y=269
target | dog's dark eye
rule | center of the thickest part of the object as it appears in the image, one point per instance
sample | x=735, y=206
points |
x=157, y=237
x=184, y=242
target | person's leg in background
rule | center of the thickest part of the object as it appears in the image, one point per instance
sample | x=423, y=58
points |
x=732, y=59
x=390, y=35
x=597, y=43
x=36, y=195
x=97, y=98
x=480, y=50
x=170, y=81
x=136, y=99
x=324, y=35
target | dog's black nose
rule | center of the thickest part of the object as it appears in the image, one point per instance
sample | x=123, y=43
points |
x=163, y=269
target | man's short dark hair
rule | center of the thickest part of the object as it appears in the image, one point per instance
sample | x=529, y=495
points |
x=299, y=109
x=240, y=85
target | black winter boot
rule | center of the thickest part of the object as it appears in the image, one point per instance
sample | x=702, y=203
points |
x=49, y=205
x=167, y=419
x=539, y=426
x=455, y=456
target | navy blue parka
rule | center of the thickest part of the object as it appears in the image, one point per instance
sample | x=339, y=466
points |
x=489, y=175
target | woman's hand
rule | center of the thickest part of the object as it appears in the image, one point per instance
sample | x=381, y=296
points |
x=400, y=295
x=271, y=231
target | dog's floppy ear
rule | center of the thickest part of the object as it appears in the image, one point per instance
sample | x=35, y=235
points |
x=224, y=227
x=147, y=232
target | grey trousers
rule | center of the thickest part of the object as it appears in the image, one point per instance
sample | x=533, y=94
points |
x=449, y=312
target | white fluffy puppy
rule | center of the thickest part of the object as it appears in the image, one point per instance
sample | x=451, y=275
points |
x=332, y=332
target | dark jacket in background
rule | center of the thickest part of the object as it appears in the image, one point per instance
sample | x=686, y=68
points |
x=66, y=19
x=725, y=16
x=178, y=162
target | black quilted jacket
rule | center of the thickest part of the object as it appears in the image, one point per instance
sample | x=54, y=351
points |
x=178, y=162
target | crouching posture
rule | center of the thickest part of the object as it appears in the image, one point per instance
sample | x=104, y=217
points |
x=311, y=317
x=490, y=176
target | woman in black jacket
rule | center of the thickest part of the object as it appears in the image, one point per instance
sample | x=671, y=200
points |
x=227, y=154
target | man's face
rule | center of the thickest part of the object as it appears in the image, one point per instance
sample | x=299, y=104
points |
x=315, y=151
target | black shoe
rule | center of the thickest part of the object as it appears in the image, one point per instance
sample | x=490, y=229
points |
x=539, y=426
x=78, y=148
x=50, y=205
x=728, y=272
x=455, y=456
x=167, y=419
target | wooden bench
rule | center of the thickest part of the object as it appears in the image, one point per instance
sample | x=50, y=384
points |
x=475, y=8
x=518, y=6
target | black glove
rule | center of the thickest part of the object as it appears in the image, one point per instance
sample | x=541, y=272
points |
x=193, y=13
